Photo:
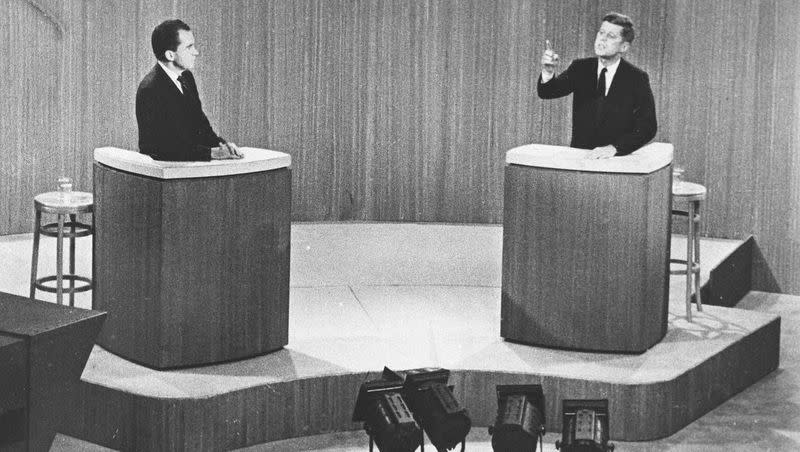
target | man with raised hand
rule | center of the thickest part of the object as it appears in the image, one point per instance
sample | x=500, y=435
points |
x=172, y=125
x=613, y=111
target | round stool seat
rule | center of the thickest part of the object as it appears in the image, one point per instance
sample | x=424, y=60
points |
x=688, y=191
x=64, y=203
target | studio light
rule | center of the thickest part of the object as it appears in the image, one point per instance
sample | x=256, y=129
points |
x=584, y=426
x=520, y=418
x=439, y=414
x=387, y=419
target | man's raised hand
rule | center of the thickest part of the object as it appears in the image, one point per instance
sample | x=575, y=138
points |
x=549, y=60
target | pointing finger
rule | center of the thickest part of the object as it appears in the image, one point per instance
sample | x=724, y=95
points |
x=547, y=45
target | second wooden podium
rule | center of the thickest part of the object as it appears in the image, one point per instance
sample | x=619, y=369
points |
x=191, y=260
x=586, y=248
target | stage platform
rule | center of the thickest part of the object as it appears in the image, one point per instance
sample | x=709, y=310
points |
x=407, y=295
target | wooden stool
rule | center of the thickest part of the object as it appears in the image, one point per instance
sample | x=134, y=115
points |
x=61, y=203
x=691, y=194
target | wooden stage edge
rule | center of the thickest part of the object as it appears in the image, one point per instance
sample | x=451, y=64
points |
x=310, y=386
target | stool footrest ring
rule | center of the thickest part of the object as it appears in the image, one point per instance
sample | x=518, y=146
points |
x=683, y=213
x=67, y=277
x=81, y=230
x=695, y=267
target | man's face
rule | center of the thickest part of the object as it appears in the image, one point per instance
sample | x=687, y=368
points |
x=186, y=52
x=608, y=42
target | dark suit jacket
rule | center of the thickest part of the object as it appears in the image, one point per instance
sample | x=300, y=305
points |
x=172, y=126
x=626, y=118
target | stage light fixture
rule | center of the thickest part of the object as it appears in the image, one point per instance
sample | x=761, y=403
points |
x=386, y=416
x=520, y=418
x=434, y=407
x=584, y=426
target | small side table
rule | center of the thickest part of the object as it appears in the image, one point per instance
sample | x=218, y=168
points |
x=61, y=204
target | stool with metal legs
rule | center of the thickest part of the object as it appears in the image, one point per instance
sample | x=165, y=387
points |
x=691, y=195
x=62, y=203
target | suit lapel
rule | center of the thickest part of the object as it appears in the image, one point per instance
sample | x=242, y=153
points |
x=619, y=78
x=191, y=87
x=167, y=83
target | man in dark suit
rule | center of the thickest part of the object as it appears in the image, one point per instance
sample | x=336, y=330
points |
x=172, y=125
x=613, y=111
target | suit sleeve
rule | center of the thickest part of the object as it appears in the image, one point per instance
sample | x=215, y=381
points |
x=644, y=119
x=156, y=137
x=558, y=86
x=207, y=136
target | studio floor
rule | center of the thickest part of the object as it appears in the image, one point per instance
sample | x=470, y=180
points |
x=346, y=264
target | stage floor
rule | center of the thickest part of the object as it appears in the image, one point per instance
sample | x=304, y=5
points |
x=366, y=295
x=355, y=255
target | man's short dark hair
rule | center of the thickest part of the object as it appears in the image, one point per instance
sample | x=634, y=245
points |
x=623, y=21
x=165, y=37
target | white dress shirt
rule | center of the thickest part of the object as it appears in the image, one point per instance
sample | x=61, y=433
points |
x=610, y=71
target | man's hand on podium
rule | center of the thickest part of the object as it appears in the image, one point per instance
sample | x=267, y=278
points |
x=602, y=152
x=226, y=151
x=235, y=149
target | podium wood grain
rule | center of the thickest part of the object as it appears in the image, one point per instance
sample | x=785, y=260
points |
x=192, y=271
x=585, y=258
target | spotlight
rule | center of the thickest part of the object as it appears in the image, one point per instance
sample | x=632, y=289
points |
x=434, y=406
x=387, y=419
x=520, y=418
x=584, y=426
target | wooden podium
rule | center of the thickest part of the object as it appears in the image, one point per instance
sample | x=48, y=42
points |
x=586, y=248
x=191, y=259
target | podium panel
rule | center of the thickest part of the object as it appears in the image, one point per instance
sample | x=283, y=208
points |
x=43, y=351
x=191, y=261
x=586, y=248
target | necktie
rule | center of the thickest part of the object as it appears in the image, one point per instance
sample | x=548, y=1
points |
x=185, y=85
x=601, y=84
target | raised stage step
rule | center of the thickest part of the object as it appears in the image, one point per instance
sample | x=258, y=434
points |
x=368, y=295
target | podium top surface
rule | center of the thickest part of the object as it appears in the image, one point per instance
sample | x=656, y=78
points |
x=254, y=160
x=646, y=160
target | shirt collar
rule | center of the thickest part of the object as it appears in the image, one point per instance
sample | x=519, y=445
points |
x=610, y=70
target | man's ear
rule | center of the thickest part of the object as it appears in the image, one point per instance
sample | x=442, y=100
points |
x=169, y=55
x=625, y=46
